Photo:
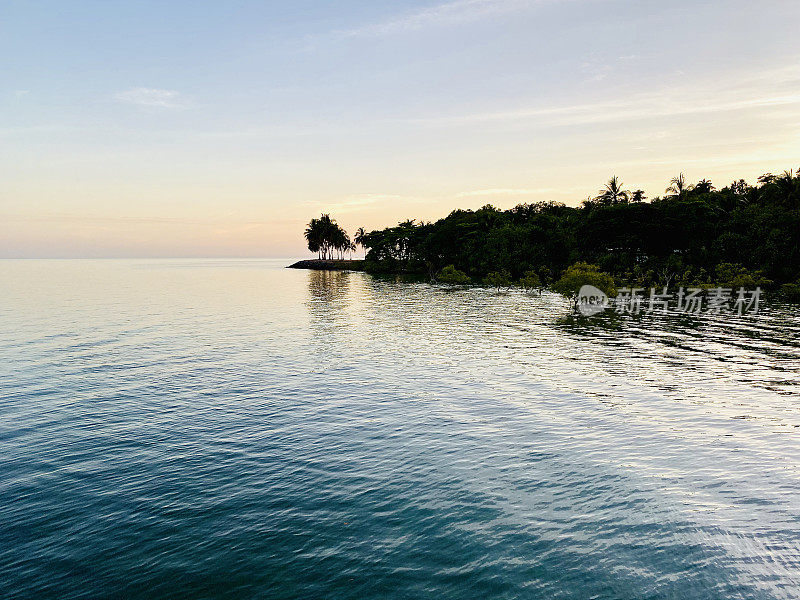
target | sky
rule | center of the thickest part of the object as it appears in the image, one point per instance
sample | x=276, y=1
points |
x=216, y=129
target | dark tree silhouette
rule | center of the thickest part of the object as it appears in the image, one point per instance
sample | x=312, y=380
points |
x=613, y=193
x=677, y=186
x=324, y=236
x=681, y=238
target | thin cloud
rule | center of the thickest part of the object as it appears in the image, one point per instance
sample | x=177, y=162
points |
x=642, y=107
x=238, y=229
x=450, y=13
x=71, y=218
x=360, y=201
x=152, y=97
x=595, y=68
x=505, y=192
x=368, y=202
x=774, y=89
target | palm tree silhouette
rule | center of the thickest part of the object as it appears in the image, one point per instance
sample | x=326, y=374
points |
x=785, y=182
x=704, y=186
x=613, y=193
x=677, y=186
x=324, y=236
x=359, y=237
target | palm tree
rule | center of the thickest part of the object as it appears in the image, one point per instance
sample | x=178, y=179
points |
x=313, y=235
x=324, y=236
x=677, y=186
x=704, y=186
x=359, y=238
x=785, y=183
x=613, y=193
x=767, y=178
x=739, y=188
x=403, y=233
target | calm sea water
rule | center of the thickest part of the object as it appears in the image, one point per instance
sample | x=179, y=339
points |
x=233, y=429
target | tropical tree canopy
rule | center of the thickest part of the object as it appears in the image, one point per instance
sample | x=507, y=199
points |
x=325, y=237
x=678, y=187
x=679, y=239
x=613, y=193
x=358, y=238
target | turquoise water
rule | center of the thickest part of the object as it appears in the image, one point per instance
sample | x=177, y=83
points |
x=233, y=429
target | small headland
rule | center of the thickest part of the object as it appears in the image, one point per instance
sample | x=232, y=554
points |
x=329, y=265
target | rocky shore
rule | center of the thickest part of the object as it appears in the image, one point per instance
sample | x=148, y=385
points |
x=329, y=265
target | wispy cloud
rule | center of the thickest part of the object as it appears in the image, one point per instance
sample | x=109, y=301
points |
x=238, y=229
x=595, y=68
x=73, y=218
x=152, y=97
x=450, y=13
x=504, y=192
x=767, y=93
x=643, y=106
x=359, y=201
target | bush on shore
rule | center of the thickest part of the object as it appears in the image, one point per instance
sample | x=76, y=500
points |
x=453, y=276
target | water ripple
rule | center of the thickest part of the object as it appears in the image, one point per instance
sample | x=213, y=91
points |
x=232, y=429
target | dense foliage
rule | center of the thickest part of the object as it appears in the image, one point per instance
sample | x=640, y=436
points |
x=695, y=234
x=580, y=274
x=325, y=236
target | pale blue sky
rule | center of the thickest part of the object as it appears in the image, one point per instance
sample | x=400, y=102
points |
x=218, y=129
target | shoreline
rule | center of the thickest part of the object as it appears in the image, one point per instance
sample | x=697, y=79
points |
x=318, y=264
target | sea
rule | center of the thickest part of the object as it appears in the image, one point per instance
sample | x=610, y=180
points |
x=231, y=428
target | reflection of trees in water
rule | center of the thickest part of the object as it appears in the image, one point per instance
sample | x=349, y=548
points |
x=716, y=337
x=328, y=305
x=328, y=286
x=666, y=328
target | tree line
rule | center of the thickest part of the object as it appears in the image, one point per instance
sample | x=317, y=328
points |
x=695, y=234
x=327, y=238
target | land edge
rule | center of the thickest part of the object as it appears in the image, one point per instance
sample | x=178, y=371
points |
x=317, y=264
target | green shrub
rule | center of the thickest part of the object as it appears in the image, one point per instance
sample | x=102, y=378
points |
x=790, y=291
x=452, y=276
x=581, y=274
x=498, y=279
x=734, y=275
x=530, y=281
